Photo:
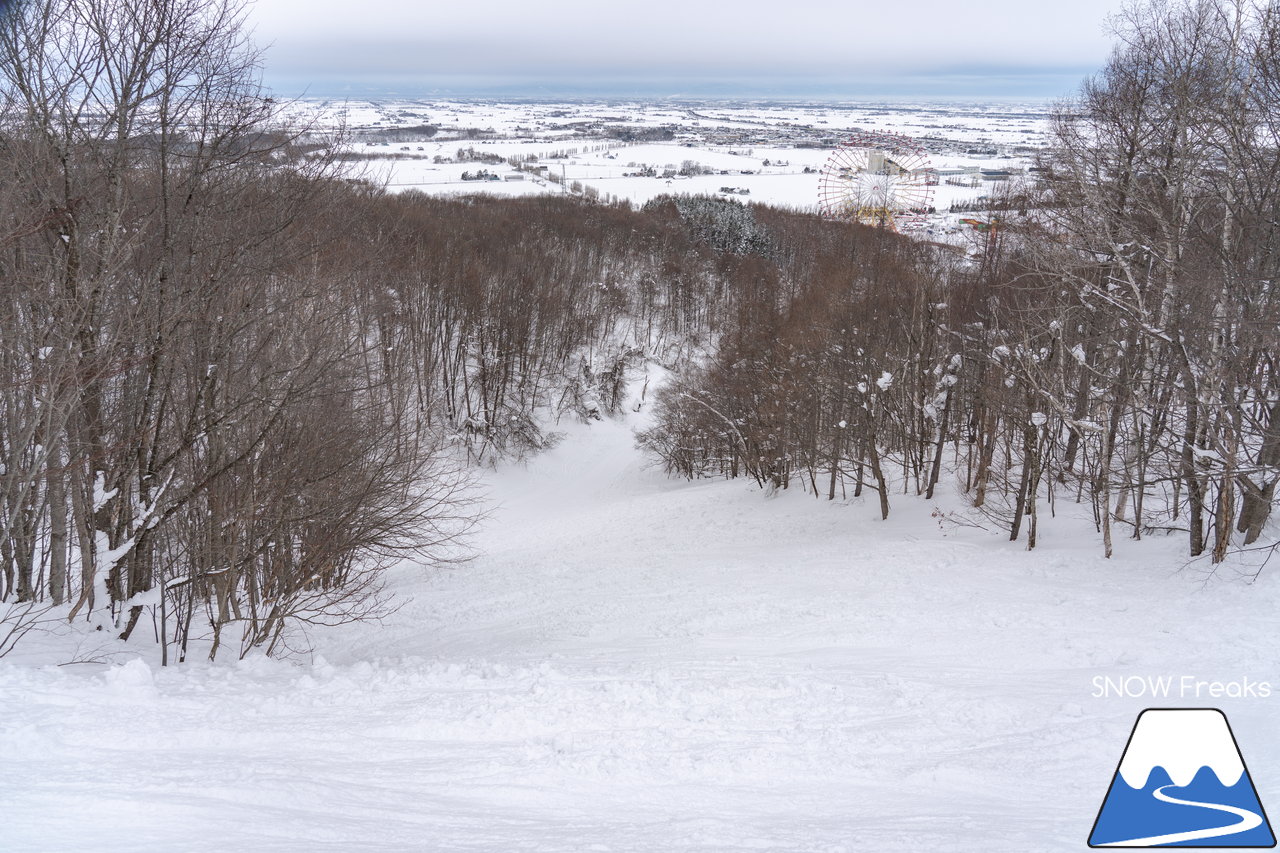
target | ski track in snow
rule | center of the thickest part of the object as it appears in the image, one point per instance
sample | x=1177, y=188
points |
x=637, y=664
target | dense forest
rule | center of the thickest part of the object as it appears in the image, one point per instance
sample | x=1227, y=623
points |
x=237, y=382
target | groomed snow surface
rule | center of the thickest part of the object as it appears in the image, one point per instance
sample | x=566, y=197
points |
x=632, y=663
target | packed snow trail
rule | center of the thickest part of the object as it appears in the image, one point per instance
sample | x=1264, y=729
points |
x=637, y=664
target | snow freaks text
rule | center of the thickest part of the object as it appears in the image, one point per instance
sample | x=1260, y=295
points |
x=1177, y=687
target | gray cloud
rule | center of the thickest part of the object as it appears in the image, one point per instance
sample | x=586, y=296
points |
x=998, y=42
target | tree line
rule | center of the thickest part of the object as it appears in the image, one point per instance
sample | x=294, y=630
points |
x=236, y=383
x=1111, y=342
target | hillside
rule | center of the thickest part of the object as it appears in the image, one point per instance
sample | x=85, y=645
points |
x=632, y=663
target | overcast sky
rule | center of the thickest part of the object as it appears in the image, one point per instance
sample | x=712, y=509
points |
x=673, y=47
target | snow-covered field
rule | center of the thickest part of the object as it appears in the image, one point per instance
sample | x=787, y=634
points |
x=770, y=153
x=995, y=122
x=632, y=663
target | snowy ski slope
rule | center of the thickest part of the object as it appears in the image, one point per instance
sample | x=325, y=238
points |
x=635, y=664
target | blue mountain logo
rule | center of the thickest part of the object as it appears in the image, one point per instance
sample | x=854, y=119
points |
x=1182, y=783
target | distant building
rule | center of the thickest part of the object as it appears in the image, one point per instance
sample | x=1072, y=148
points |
x=880, y=163
x=929, y=174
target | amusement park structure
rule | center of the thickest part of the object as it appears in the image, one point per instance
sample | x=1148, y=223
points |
x=877, y=178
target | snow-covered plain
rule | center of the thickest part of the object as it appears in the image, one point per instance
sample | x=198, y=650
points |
x=758, y=151
x=632, y=663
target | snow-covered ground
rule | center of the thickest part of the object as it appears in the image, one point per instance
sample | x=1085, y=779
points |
x=995, y=122
x=632, y=663
x=771, y=153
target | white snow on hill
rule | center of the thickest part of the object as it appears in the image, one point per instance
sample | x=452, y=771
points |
x=632, y=663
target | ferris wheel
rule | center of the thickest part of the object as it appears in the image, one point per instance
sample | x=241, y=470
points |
x=877, y=178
